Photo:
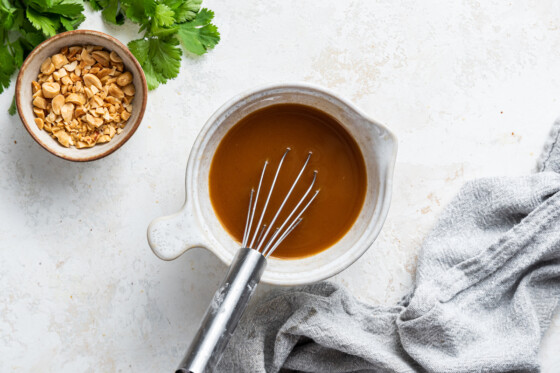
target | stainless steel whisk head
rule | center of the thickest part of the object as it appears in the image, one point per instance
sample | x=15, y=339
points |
x=244, y=273
x=259, y=238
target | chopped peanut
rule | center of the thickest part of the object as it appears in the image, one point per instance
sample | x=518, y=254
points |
x=129, y=90
x=115, y=57
x=115, y=91
x=36, y=86
x=102, y=57
x=67, y=111
x=47, y=67
x=39, y=113
x=124, y=79
x=82, y=96
x=63, y=138
x=90, y=79
x=76, y=98
x=59, y=60
x=71, y=66
x=40, y=102
x=39, y=122
x=57, y=75
x=57, y=103
x=50, y=89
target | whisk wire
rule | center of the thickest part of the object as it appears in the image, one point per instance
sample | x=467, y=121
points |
x=255, y=205
x=269, y=194
x=284, y=202
x=246, y=232
x=259, y=237
x=295, y=209
x=261, y=233
x=291, y=227
x=284, y=235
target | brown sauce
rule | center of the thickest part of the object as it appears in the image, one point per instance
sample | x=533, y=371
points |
x=265, y=135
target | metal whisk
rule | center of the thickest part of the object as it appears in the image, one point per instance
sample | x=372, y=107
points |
x=233, y=295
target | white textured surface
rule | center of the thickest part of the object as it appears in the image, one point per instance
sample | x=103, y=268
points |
x=470, y=88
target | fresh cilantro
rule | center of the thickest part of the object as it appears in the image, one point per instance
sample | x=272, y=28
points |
x=71, y=24
x=17, y=52
x=160, y=59
x=141, y=11
x=43, y=23
x=7, y=67
x=95, y=5
x=112, y=13
x=164, y=16
x=199, y=35
x=67, y=8
x=12, y=109
x=25, y=24
x=165, y=24
x=187, y=10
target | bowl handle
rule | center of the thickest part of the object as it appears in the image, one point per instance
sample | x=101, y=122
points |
x=388, y=143
x=172, y=235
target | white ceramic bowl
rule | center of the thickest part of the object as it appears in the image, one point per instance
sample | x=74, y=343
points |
x=30, y=69
x=196, y=225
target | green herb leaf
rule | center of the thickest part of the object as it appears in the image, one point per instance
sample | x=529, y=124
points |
x=140, y=11
x=165, y=24
x=160, y=59
x=203, y=17
x=152, y=77
x=199, y=35
x=95, y=4
x=140, y=48
x=166, y=57
x=7, y=67
x=19, y=20
x=47, y=25
x=67, y=8
x=17, y=52
x=71, y=24
x=185, y=10
x=7, y=14
x=12, y=109
x=164, y=16
x=112, y=13
x=165, y=32
x=30, y=39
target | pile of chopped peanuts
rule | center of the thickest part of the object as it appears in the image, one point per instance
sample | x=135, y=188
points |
x=83, y=96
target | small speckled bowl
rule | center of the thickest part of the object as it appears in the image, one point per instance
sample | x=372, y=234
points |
x=196, y=225
x=30, y=70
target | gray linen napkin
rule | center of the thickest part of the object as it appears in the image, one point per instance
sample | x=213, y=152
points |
x=487, y=284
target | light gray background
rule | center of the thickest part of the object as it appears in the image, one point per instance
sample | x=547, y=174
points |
x=470, y=88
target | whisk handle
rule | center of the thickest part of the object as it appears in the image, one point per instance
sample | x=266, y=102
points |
x=224, y=312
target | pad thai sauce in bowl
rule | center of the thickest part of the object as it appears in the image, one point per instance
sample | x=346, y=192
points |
x=264, y=135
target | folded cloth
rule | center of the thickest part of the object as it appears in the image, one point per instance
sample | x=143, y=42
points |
x=487, y=285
